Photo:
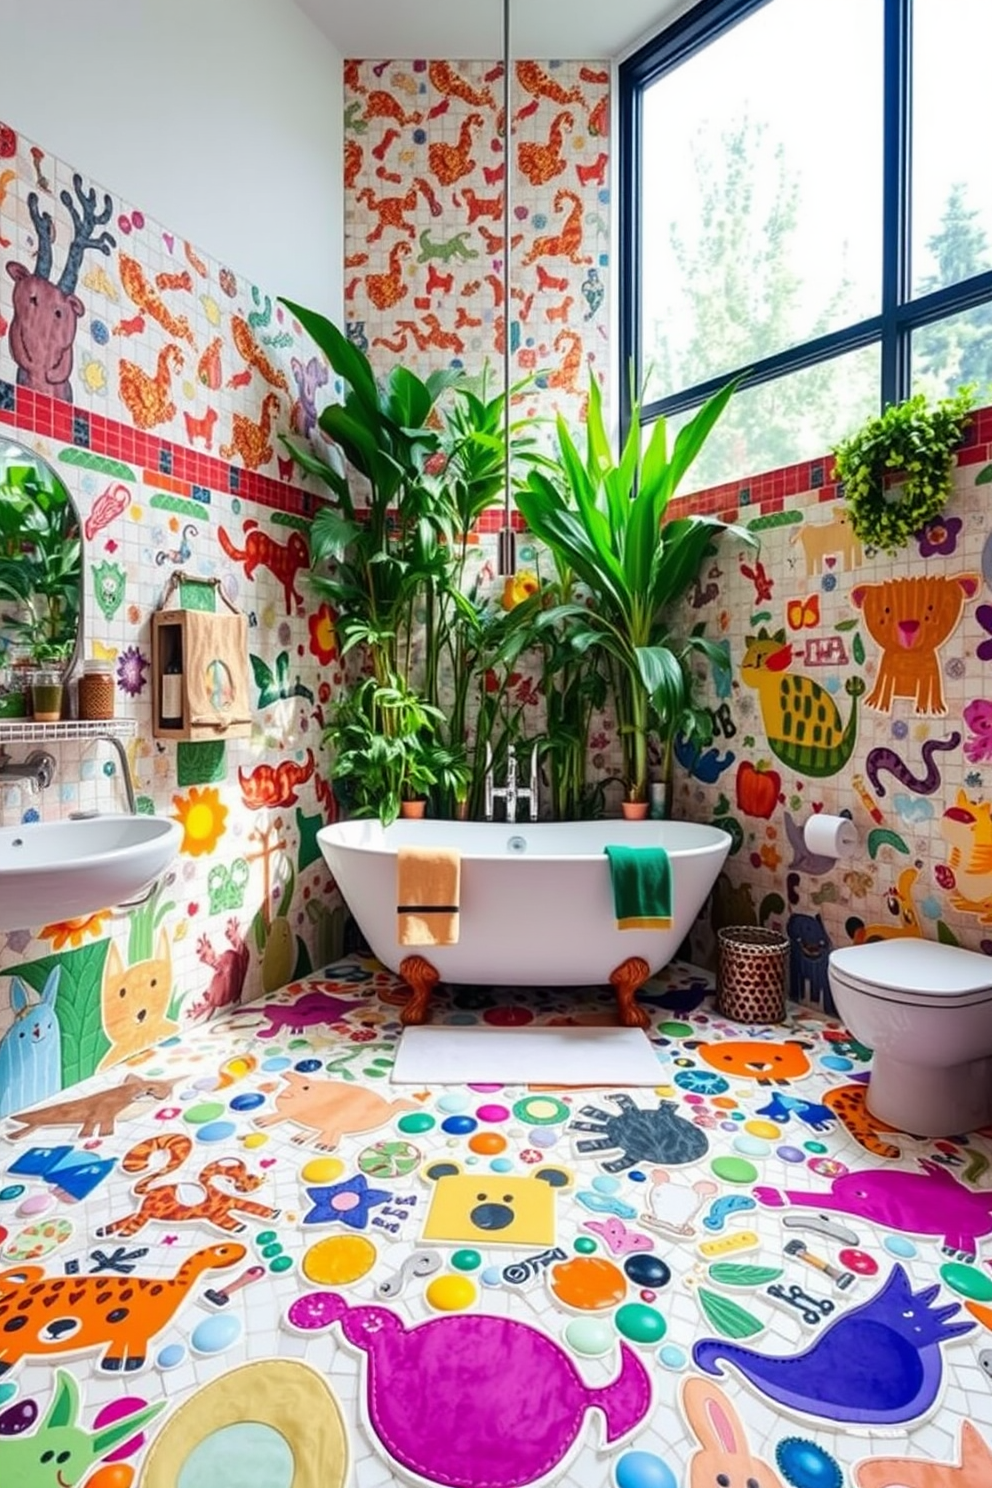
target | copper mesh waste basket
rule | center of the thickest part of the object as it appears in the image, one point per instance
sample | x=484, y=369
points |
x=752, y=974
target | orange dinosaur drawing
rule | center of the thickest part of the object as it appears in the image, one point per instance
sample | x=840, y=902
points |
x=383, y=105
x=392, y=210
x=567, y=242
x=119, y=1315
x=386, y=290
x=450, y=162
x=201, y=428
x=255, y=356
x=747, y=1059
x=566, y=374
x=540, y=163
x=262, y=551
x=162, y=1201
x=138, y=289
x=533, y=79
x=910, y=619
x=446, y=80
x=251, y=440
x=330, y=1109
x=149, y=399
x=275, y=785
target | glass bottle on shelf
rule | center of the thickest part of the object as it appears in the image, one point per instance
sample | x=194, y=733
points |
x=172, y=683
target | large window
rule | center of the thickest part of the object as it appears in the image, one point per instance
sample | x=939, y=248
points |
x=807, y=202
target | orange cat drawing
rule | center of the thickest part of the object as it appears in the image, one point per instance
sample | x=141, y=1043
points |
x=910, y=619
x=134, y=1002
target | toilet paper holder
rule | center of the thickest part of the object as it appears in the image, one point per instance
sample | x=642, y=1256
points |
x=831, y=836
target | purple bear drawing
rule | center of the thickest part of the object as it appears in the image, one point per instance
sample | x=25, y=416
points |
x=447, y=1395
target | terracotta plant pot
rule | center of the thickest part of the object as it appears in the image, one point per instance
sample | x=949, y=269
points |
x=634, y=810
x=412, y=808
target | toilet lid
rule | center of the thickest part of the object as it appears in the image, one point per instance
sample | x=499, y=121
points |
x=911, y=970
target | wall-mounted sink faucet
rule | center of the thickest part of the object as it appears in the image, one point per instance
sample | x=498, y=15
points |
x=36, y=772
x=511, y=792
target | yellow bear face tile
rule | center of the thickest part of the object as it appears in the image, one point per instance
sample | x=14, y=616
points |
x=492, y=1208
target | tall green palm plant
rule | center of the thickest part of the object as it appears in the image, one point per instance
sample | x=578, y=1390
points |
x=604, y=520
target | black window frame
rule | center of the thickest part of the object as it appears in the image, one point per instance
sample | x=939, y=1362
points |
x=900, y=313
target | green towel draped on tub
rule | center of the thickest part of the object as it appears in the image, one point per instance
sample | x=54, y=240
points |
x=642, y=887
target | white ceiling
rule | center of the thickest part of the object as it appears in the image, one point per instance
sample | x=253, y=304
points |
x=558, y=29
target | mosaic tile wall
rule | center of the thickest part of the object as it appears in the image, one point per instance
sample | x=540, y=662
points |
x=424, y=182
x=888, y=655
x=155, y=380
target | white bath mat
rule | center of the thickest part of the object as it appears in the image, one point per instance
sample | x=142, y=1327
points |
x=479, y=1055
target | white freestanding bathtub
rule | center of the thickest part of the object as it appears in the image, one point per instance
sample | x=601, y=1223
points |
x=536, y=899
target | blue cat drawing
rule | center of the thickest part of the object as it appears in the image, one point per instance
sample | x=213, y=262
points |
x=31, y=1049
x=878, y=1365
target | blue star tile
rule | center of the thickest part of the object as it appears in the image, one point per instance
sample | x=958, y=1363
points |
x=348, y=1203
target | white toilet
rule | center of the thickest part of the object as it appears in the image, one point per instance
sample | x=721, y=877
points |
x=926, y=1010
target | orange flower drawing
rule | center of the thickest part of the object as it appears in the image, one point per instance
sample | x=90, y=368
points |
x=72, y=933
x=202, y=817
x=323, y=637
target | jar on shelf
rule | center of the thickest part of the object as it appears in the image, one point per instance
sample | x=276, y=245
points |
x=46, y=695
x=97, y=694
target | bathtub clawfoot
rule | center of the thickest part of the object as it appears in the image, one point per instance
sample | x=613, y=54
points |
x=629, y=978
x=421, y=977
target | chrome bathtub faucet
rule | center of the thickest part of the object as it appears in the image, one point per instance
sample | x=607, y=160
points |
x=511, y=793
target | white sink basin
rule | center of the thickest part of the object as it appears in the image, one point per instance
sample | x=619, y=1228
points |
x=59, y=870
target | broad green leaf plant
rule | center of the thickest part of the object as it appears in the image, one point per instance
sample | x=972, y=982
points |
x=604, y=521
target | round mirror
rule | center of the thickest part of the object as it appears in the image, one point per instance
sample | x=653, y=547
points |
x=41, y=573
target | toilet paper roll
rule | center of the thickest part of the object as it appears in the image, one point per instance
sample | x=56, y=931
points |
x=831, y=836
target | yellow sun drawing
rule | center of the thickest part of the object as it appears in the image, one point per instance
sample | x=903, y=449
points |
x=202, y=818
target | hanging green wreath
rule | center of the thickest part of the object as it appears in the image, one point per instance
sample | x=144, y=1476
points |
x=914, y=441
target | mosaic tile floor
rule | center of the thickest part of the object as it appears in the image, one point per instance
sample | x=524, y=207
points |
x=259, y=1263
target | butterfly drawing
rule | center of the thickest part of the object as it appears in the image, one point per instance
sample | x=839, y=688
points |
x=273, y=683
x=803, y=614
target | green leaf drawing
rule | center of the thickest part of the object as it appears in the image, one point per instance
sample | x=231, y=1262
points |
x=734, y=1273
x=727, y=1317
x=845, y=624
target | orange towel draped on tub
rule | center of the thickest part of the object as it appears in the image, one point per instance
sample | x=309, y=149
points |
x=428, y=888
